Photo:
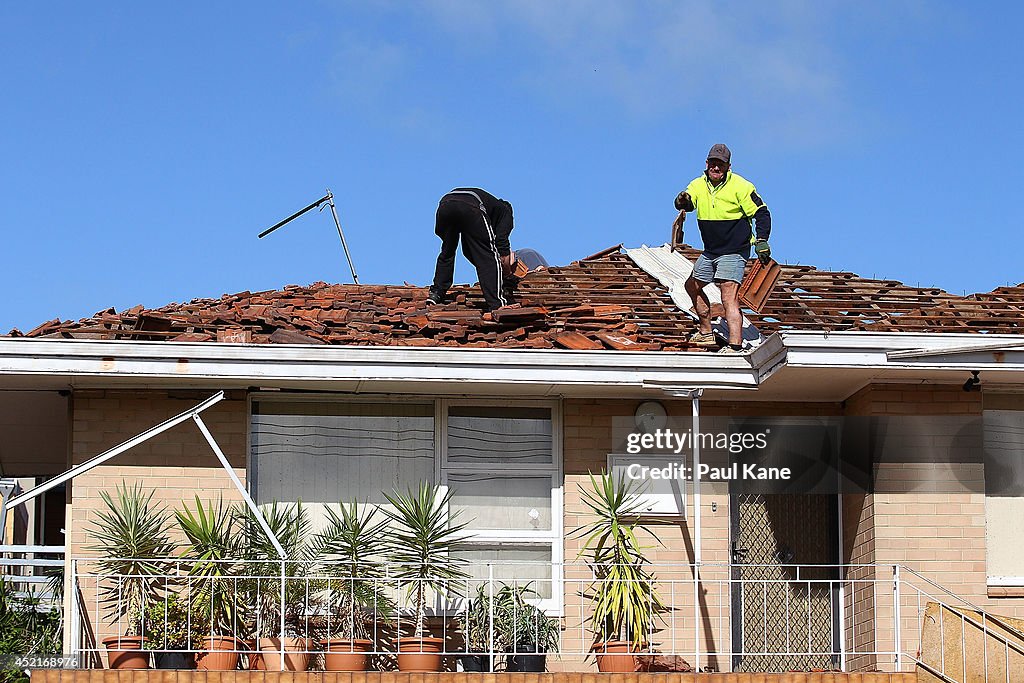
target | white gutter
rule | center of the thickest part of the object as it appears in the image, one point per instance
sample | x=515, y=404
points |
x=904, y=350
x=256, y=364
x=898, y=340
x=955, y=350
x=547, y=371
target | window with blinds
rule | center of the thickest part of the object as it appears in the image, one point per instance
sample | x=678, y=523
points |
x=501, y=463
x=500, y=460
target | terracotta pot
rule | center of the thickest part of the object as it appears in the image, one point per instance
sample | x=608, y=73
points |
x=344, y=654
x=125, y=652
x=220, y=654
x=296, y=657
x=617, y=656
x=419, y=654
x=254, y=658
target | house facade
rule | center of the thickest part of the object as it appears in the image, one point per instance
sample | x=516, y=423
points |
x=338, y=393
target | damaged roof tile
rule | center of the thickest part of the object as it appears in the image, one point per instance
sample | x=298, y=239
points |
x=604, y=301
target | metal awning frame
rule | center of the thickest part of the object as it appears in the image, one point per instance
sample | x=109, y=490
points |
x=193, y=414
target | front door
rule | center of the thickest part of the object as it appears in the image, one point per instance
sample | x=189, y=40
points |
x=785, y=614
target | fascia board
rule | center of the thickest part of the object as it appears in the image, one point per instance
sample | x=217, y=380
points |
x=770, y=356
x=892, y=341
x=184, y=360
x=910, y=351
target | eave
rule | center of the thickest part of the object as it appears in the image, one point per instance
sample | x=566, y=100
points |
x=71, y=363
x=793, y=366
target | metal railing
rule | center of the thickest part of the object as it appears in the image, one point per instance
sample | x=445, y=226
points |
x=957, y=640
x=849, y=617
x=33, y=571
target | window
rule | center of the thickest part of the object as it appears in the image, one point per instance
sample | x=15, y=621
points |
x=1004, y=493
x=502, y=461
x=326, y=452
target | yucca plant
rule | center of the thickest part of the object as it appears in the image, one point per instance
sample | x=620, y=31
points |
x=291, y=524
x=421, y=541
x=214, y=541
x=133, y=536
x=352, y=541
x=625, y=603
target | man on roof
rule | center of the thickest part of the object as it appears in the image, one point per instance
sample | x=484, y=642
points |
x=729, y=211
x=484, y=222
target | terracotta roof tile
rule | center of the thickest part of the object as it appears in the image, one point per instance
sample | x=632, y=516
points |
x=603, y=301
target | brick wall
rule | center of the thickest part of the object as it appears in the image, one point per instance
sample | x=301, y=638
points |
x=940, y=533
x=176, y=465
x=587, y=443
x=926, y=516
x=33, y=433
x=921, y=516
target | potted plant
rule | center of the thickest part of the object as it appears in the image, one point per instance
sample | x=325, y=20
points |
x=625, y=603
x=279, y=591
x=133, y=536
x=479, y=630
x=421, y=541
x=524, y=631
x=167, y=633
x=213, y=545
x=355, y=597
x=507, y=621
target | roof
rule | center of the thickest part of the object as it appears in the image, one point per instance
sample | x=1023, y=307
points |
x=605, y=301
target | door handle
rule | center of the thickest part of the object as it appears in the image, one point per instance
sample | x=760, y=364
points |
x=739, y=555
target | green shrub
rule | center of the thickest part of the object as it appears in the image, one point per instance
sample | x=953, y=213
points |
x=26, y=628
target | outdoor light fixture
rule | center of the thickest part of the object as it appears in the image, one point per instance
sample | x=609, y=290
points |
x=650, y=416
x=973, y=383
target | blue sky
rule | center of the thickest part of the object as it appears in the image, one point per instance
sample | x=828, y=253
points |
x=146, y=145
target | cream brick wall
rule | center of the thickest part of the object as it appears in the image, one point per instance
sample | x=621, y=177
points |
x=33, y=433
x=940, y=534
x=587, y=443
x=927, y=517
x=936, y=529
x=177, y=465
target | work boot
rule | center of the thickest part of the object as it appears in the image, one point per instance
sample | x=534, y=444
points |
x=729, y=348
x=705, y=340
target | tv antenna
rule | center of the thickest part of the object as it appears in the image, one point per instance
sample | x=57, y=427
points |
x=328, y=200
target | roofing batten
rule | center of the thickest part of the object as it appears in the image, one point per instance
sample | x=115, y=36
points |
x=672, y=270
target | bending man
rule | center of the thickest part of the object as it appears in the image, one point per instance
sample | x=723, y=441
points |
x=484, y=223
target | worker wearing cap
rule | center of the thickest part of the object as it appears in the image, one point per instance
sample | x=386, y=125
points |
x=484, y=222
x=728, y=213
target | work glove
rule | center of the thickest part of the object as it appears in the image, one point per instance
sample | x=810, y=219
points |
x=763, y=251
x=683, y=202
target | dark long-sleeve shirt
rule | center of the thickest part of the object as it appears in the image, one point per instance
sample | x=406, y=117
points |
x=499, y=213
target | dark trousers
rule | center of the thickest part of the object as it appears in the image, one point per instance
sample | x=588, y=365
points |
x=455, y=219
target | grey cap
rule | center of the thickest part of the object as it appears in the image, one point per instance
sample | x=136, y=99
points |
x=721, y=152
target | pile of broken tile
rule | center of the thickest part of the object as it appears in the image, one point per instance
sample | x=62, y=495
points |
x=602, y=302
